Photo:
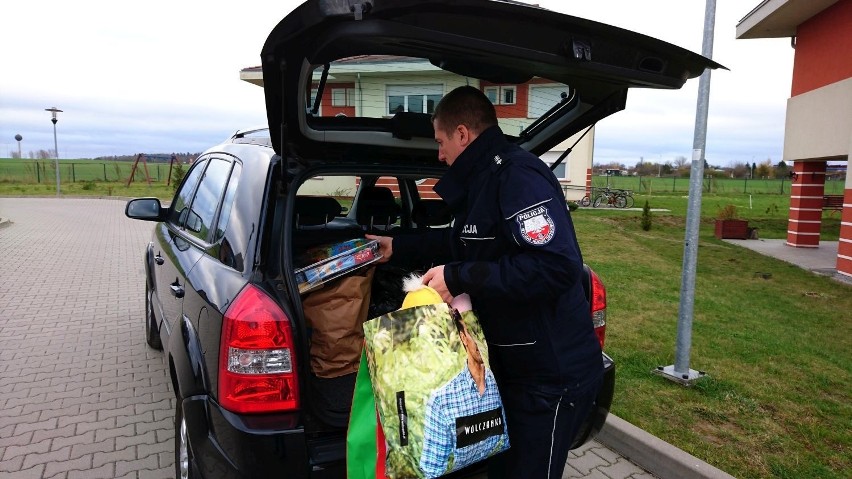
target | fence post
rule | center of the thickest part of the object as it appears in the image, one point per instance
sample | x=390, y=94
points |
x=73, y=174
x=104, y=165
x=745, y=185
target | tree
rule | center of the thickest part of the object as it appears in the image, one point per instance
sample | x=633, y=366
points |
x=782, y=170
x=680, y=162
x=740, y=170
x=647, y=169
x=764, y=169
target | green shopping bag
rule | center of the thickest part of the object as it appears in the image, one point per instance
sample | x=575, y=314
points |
x=365, y=440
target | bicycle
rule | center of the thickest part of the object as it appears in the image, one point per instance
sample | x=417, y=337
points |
x=614, y=198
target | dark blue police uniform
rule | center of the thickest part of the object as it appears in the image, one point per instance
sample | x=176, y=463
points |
x=513, y=249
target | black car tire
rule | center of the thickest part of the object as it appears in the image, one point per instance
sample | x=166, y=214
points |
x=184, y=467
x=152, y=331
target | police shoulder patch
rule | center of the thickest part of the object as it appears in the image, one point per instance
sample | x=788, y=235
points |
x=536, y=225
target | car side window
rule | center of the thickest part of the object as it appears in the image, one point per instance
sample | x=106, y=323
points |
x=180, y=205
x=227, y=203
x=202, y=212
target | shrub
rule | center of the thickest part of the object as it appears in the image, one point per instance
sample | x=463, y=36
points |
x=728, y=212
x=646, y=216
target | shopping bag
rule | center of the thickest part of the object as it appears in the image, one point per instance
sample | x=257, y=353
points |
x=365, y=441
x=334, y=313
x=437, y=401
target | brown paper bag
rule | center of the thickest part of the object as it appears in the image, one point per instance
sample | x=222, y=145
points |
x=335, y=313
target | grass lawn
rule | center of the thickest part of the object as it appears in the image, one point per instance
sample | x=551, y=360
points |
x=774, y=339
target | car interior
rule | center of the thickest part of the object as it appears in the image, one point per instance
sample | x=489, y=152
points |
x=361, y=204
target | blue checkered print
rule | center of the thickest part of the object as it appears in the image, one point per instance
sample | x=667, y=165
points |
x=458, y=398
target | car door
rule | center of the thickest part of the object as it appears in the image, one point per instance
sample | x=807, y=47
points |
x=173, y=257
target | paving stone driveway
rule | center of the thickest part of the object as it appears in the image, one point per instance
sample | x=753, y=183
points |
x=80, y=393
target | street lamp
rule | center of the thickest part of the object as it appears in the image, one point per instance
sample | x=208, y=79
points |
x=54, y=111
x=18, y=138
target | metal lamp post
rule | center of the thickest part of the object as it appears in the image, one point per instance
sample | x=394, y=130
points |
x=18, y=138
x=54, y=111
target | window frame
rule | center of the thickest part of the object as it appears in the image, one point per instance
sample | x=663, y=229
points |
x=496, y=91
x=508, y=88
x=336, y=99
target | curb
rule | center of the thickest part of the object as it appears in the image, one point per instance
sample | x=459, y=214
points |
x=653, y=454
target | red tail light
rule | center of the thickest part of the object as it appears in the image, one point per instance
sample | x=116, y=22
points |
x=598, y=307
x=257, y=366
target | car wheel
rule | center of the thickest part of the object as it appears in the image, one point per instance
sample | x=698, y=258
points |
x=184, y=468
x=152, y=331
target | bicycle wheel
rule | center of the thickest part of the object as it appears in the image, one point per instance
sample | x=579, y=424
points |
x=597, y=201
x=585, y=201
x=630, y=201
x=620, y=201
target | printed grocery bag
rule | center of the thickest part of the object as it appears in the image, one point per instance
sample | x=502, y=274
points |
x=437, y=401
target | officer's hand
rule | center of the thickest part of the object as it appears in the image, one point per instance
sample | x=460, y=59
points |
x=385, y=246
x=434, y=278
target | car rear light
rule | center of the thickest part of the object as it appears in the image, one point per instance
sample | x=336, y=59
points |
x=257, y=367
x=599, y=307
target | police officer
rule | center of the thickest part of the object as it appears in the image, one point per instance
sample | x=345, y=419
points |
x=512, y=248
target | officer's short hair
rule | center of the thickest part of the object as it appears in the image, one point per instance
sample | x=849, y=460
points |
x=465, y=105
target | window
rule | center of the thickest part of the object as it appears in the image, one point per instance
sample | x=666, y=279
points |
x=507, y=95
x=183, y=197
x=543, y=98
x=350, y=97
x=199, y=220
x=228, y=203
x=338, y=97
x=492, y=92
x=559, y=172
x=413, y=98
x=501, y=95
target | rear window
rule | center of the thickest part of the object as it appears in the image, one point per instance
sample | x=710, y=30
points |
x=380, y=86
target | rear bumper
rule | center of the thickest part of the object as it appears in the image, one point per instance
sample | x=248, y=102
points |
x=596, y=419
x=228, y=445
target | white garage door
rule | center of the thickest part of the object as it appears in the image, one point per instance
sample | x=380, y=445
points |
x=542, y=98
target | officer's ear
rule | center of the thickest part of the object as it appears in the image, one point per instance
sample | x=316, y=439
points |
x=466, y=136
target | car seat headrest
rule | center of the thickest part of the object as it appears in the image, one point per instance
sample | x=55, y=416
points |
x=377, y=207
x=431, y=212
x=316, y=210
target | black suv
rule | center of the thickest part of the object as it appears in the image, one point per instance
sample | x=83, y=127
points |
x=349, y=89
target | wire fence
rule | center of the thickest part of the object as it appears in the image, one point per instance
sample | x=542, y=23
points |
x=44, y=171
x=649, y=185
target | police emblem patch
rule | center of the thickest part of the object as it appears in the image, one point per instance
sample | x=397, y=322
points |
x=537, y=227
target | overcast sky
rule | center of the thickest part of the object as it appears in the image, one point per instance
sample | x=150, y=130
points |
x=160, y=77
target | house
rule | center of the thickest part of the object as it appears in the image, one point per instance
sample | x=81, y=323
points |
x=378, y=86
x=819, y=110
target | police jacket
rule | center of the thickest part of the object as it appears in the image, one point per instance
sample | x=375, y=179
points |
x=512, y=248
